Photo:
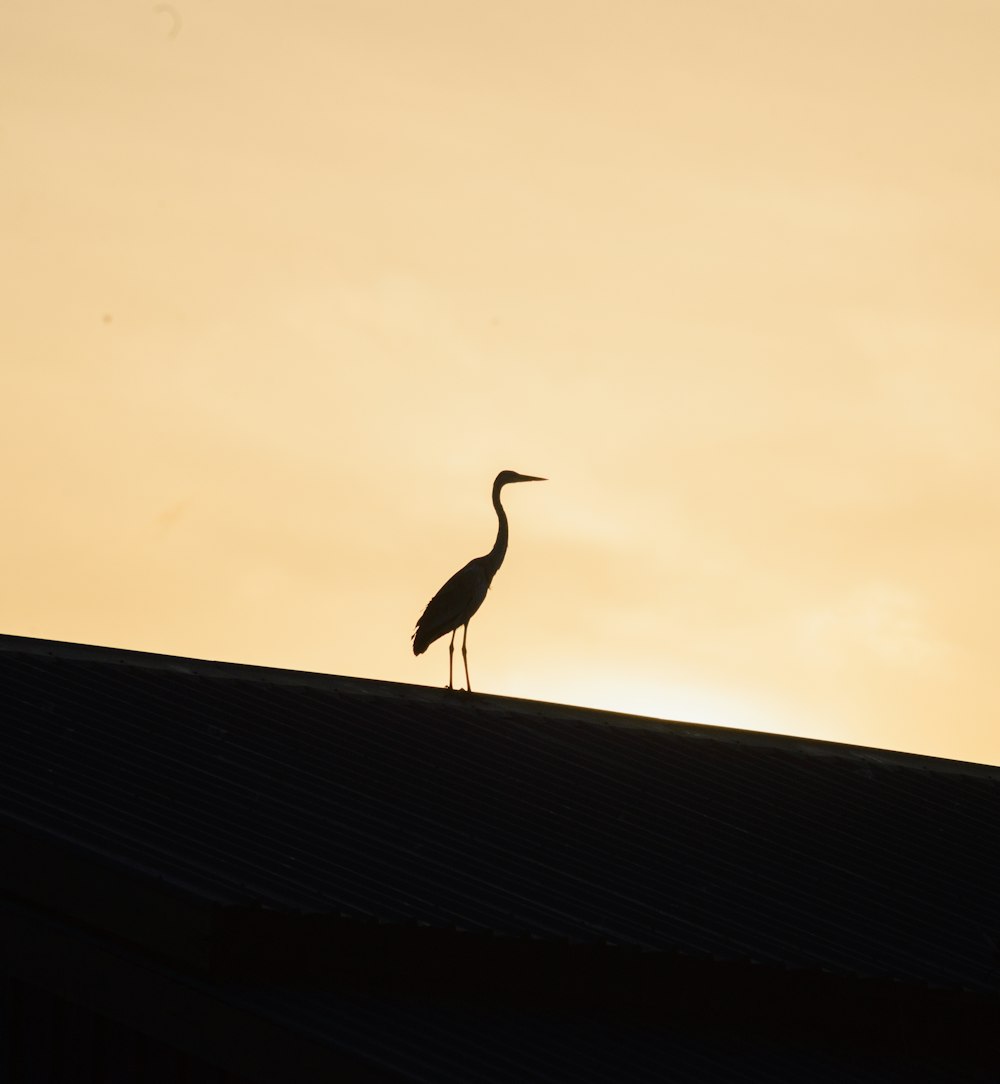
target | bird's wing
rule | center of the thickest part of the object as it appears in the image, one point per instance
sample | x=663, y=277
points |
x=453, y=605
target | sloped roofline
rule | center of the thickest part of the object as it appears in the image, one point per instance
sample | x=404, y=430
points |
x=487, y=702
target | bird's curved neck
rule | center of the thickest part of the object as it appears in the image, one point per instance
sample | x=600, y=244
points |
x=496, y=555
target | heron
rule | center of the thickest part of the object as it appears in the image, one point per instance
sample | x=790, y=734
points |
x=457, y=602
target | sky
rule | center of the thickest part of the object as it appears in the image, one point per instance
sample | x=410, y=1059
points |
x=285, y=286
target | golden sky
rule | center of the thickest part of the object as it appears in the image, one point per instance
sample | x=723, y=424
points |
x=286, y=285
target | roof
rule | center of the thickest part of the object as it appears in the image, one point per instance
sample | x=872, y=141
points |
x=173, y=1025
x=305, y=795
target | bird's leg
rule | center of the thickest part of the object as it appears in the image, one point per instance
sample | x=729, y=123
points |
x=451, y=655
x=465, y=658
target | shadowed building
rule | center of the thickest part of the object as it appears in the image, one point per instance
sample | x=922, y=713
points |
x=222, y=873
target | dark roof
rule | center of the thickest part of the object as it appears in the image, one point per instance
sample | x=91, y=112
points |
x=324, y=795
x=163, y=1020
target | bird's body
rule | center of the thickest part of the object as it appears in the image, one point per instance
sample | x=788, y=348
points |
x=456, y=603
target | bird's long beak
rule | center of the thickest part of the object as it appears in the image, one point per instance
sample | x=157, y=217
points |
x=530, y=478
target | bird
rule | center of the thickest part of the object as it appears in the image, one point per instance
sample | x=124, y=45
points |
x=457, y=602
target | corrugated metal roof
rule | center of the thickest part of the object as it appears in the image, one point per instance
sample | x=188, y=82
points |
x=331, y=795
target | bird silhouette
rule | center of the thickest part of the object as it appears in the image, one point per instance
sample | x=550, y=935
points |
x=459, y=599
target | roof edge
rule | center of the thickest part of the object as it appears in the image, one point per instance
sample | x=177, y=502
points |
x=381, y=689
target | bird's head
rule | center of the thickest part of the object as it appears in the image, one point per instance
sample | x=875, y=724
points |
x=506, y=476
